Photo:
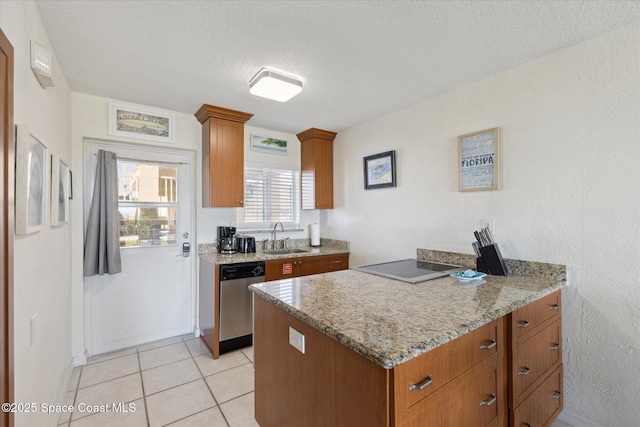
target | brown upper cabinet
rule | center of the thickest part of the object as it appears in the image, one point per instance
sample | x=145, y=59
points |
x=316, y=164
x=222, y=156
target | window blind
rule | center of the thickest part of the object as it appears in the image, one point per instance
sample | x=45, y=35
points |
x=270, y=195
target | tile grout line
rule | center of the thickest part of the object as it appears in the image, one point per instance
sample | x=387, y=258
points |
x=144, y=394
x=224, y=417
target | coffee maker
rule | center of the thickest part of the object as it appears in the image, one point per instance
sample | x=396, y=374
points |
x=227, y=240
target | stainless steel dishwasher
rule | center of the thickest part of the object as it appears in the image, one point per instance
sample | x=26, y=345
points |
x=236, y=303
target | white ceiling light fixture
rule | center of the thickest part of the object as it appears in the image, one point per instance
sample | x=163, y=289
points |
x=274, y=85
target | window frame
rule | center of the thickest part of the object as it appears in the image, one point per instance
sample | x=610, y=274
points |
x=296, y=199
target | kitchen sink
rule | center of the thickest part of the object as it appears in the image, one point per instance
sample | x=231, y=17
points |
x=285, y=251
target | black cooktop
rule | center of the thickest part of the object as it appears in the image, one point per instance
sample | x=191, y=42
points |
x=410, y=270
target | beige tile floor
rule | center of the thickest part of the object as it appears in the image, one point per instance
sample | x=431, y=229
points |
x=174, y=383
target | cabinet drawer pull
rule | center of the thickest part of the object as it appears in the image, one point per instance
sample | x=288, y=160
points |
x=555, y=346
x=527, y=425
x=488, y=346
x=489, y=401
x=526, y=371
x=426, y=383
x=553, y=307
x=556, y=395
x=524, y=324
x=337, y=261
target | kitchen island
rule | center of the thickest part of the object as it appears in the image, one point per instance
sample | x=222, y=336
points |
x=336, y=348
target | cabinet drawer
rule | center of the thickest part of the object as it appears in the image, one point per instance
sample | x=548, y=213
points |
x=336, y=262
x=470, y=399
x=534, y=359
x=473, y=347
x=544, y=404
x=437, y=367
x=524, y=321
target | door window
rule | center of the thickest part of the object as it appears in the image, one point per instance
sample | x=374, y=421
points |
x=147, y=203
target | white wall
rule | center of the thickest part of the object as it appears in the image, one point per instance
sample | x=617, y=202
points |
x=42, y=265
x=90, y=120
x=570, y=194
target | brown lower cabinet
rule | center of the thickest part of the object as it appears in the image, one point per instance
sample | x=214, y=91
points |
x=286, y=268
x=497, y=375
x=331, y=385
x=535, y=352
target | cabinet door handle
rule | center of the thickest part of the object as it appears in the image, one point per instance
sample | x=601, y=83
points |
x=241, y=202
x=491, y=344
x=524, y=324
x=556, y=395
x=526, y=371
x=336, y=261
x=553, y=307
x=527, y=425
x=489, y=401
x=426, y=383
x=555, y=346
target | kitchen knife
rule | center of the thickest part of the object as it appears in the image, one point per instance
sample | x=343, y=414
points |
x=478, y=238
x=476, y=248
x=485, y=236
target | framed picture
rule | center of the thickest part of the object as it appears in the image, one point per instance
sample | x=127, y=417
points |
x=380, y=170
x=60, y=188
x=479, y=161
x=136, y=121
x=268, y=145
x=32, y=183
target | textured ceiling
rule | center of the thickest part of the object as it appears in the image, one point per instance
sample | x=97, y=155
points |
x=357, y=60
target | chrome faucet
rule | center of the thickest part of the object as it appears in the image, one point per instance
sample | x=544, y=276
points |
x=273, y=233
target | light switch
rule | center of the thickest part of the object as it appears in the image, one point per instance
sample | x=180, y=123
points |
x=296, y=339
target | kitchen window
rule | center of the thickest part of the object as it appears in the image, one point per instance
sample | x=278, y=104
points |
x=271, y=194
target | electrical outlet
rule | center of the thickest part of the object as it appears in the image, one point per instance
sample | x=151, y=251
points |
x=34, y=319
x=296, y=339
x=491, y=224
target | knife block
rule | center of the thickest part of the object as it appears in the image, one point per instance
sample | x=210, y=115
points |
x=491, y=261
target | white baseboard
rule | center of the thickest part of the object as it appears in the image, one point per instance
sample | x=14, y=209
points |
x=197, y=332
x=79, y=360
x=575, y=420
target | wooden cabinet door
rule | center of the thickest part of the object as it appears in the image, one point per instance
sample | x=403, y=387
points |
x=336, y=262
x=308, y=265
x=323, y=154
x=276, y=269
x=286, y=268
x=316, y=168
x=222, y=156
x=226, y=163
x=544, y=404
x=471, y=399
x=534, y=359
x=525, y=321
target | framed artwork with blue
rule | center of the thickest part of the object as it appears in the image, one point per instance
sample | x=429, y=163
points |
x=380, y=170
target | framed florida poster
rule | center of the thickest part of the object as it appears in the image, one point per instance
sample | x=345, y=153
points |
x=478, y=161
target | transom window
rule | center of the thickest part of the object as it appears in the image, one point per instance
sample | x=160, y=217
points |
x=271, y=194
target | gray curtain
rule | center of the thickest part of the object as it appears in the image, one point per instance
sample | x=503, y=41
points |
x=102, y=247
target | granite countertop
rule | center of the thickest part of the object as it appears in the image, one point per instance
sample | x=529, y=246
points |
x=328, y=247
x=391, y=322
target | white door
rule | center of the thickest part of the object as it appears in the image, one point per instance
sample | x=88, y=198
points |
x=154, y=296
